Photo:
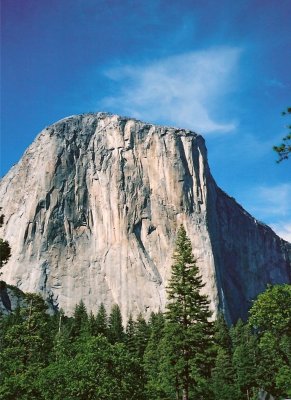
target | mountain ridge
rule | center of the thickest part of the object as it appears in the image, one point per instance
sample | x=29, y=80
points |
x=92, y=210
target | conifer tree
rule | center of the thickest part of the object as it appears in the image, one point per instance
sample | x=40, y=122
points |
x=152, y=357
x=61, y=344
x=142, y=334
x=130, y=335
x=222, y=337
x=223, y=377
x=92, y=324
x=115, y=327
x=245, y=359
x=101, y=321
x=223, y=380
x=188, y=322
x=80, y=320
x=26, y=347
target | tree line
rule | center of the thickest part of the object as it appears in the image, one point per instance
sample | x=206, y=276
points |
x=180, y=354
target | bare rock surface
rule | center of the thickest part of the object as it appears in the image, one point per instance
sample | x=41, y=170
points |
x=93, y=207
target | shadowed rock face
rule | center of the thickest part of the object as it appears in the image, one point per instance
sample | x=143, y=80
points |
x=93, y=207
x=10, y=298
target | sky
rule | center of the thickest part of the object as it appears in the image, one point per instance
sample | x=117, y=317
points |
x=220, y=68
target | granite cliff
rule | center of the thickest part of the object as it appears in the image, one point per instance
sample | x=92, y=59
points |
x=92, y=209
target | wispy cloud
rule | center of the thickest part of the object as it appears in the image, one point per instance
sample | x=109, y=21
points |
x=274, y=200
x=275, y=83
x=180, y=90
x=272, y=205
x=283, y=229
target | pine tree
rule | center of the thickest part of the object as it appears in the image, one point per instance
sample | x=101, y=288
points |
x=25, y=350
x=245, y=359
x=61, y=345
x=188, y=316
x=101, y=321
x=223, y=377
x=142, y=334
x=80, y=321
x=115, y=328
x=221, y=334
x=130, y=335
x=92, y=324
x=152, y=357
x=223, y=381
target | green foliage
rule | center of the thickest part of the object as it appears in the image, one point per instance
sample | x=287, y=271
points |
x=61, y=326
x=5, y=252
x=142, y=333
x=28, y=337
x=270, y=316
x=99, y=371
x=101, y=321
x=283, y=380
x=173, y=356
x=5, y=249
x=223, y=375
x=222, y=337
x=115, y=328
x=187, y=307
x=271, y=312
x=245, y=359
x=284, y=149
x=80, y=321
x=153, y=356
x=25, y=347
x=223, y=381
x=130, y=335
x=188, y=328
x=167, y=383
x=92, y=324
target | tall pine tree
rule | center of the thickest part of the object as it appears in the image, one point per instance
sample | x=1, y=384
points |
x=115, y=327
x=130, y=335
x=190, y=330
x=101, y=321
x=80, y=321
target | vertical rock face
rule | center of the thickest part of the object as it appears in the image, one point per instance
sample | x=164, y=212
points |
x=93, y=207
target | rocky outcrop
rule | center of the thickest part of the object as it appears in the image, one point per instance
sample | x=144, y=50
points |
x=92, y=210
x=10, y=298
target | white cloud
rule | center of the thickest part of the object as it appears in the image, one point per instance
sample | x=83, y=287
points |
x=283, y=229
x=178, y=90
x=272, y=205
x=272, y=200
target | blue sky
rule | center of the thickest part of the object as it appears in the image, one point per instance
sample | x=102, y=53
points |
x=220, y=68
